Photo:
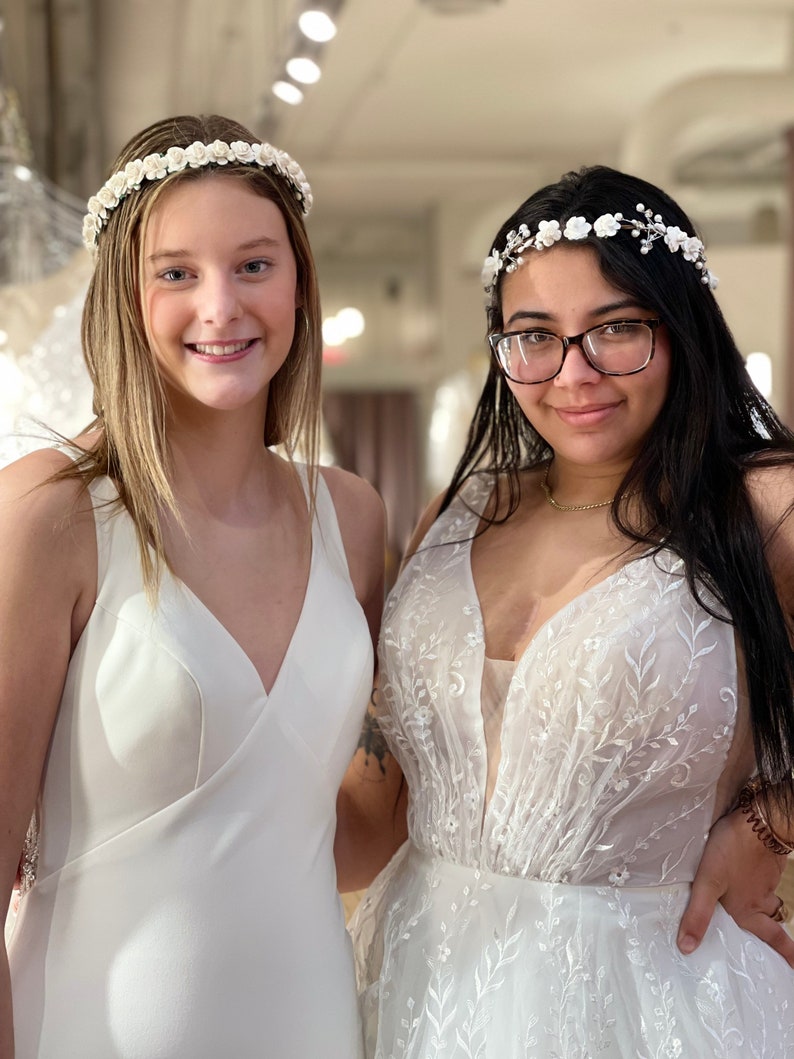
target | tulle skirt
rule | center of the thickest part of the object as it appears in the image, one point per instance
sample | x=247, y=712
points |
x=459, y=963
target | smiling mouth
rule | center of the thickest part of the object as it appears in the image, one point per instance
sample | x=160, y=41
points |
x=216, y=349
x=585, y=408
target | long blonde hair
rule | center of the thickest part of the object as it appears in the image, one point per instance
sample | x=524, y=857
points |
x=130, y=403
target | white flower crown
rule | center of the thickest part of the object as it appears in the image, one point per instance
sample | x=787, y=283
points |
x=157, y=166
x=608, y=224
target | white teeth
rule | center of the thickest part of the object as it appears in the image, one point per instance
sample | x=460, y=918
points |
x=219, y=351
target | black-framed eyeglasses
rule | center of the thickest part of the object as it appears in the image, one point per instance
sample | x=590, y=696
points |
x=620, y=347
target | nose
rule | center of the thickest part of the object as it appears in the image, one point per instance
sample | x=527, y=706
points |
x=576, y=368
x=218, y=300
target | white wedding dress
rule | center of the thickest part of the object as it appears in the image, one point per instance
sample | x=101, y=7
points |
x=185, y=904
x=558, y=812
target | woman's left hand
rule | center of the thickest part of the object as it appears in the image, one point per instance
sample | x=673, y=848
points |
x=740, y=872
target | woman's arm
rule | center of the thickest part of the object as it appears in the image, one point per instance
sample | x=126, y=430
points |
x=737, y=868
x=373, y=799
x=371, y=809
x=47, y=549
x=739, y=871
x=362, y=524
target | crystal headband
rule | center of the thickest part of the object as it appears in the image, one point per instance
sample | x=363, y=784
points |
x=157, y=166
x=608, y=224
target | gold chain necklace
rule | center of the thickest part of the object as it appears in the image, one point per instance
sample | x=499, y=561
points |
x=566, y=507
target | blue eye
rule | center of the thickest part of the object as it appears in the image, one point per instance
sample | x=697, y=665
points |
x=175, y=275
x=255, y=268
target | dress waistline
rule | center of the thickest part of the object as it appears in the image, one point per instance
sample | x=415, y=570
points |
x=527, y=889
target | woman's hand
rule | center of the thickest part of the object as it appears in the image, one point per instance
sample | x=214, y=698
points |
x=740, y=872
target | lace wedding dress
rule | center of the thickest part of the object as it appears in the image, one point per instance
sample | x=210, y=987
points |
x=558, y=811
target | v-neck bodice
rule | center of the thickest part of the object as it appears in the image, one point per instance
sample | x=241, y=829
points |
x=186, y=891
x=557, y=815
x=609, y=710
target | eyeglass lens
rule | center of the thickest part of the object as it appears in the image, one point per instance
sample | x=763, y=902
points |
x=616, y=348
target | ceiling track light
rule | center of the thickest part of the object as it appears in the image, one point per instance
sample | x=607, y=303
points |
x=458, y=7
x=303, y=69
x=315, y=26
x=287, y=92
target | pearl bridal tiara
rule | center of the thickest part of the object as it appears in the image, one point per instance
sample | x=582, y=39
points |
x=647, y=228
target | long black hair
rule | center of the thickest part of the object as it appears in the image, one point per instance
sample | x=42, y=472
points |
x=690, y=472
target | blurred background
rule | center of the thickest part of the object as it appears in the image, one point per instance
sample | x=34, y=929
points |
x=421, y=124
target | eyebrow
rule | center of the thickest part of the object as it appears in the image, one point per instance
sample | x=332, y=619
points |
x=602, y=310
x=263, y=241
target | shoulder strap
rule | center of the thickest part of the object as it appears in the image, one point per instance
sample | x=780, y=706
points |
x=328, y=526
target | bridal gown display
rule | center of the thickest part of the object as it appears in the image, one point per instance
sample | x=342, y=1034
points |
x=558, y=811
x=185, y=904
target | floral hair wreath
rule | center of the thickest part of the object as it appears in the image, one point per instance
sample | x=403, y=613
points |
x=157, y=166
x=607, y=225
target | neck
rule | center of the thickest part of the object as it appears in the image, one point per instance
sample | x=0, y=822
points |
x=577, y=487
x=220, y=463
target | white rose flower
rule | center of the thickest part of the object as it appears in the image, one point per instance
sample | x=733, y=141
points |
x=577, y=228
x=108, y=198
x=713, y=281
x=118, y=184
x=242, y=151
x=606, y=226
x=154, y=167
x=91, y=228
x=265, y=153
x=133, y=173
x=197, y=155
x=176, y=159
x=675, y=237
x=220, y=152
x=96, y=207
x=548, y=233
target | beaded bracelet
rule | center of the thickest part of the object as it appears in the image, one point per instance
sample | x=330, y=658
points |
x=749, y=806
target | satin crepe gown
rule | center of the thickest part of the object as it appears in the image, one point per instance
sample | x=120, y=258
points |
x=185, y=905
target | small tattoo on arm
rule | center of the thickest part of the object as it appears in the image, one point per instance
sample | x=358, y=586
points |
x=371, y=740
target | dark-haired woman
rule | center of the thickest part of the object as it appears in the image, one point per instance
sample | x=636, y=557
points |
x=586, y=664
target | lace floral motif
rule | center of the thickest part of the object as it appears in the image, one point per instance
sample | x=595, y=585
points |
x=541, y=923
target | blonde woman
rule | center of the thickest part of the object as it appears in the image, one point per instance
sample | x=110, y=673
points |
x=186, y=653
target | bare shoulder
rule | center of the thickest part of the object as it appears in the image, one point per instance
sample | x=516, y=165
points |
x=26, y=483
x=47, y=525
x=359, y=508
x=362, y=523
x=771, y=489
x=772, y=493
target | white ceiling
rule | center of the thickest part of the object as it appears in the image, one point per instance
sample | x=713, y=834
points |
x=426, y=129
x=415, y=105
